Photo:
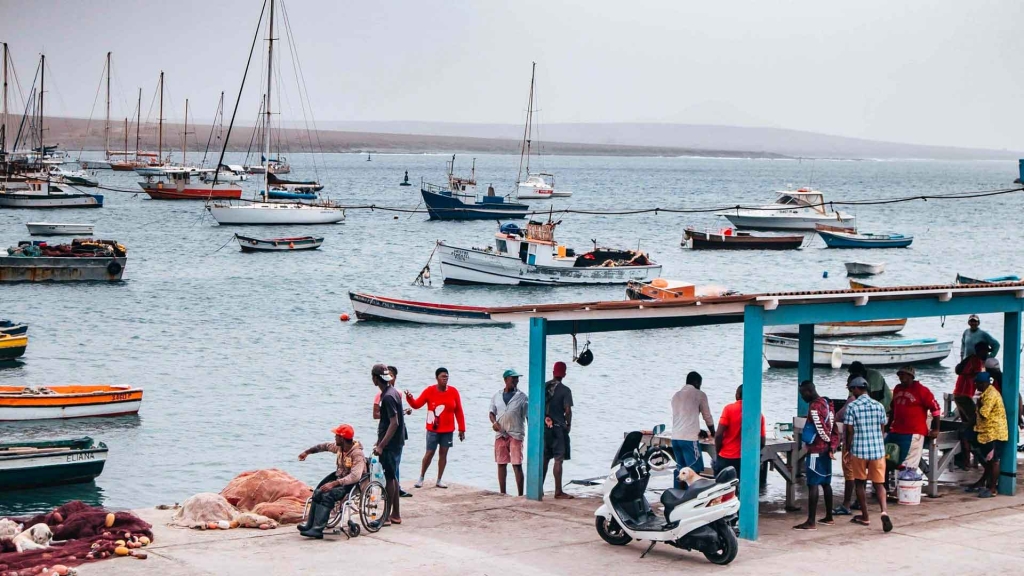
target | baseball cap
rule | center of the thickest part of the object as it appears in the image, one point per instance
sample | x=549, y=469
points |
x=982, y=377
x=560, y=369
x=974, y=317
x=345, y=431
x=510, y=373
x=381, y=371
x=857, y=382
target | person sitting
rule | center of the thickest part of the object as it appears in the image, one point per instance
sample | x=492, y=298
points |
x=912, y=403
x=351, y=465
x=963, y=395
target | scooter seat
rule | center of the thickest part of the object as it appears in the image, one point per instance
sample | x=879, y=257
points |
x=674, y=497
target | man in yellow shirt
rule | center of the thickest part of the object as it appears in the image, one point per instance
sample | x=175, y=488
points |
x=992, y=434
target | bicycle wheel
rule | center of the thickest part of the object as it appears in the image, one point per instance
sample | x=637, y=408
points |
x=373, y=506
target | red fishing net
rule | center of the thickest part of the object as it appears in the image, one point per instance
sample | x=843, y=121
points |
x=272, y=493
x=81, y=526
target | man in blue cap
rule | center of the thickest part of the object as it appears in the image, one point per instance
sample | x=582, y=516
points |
x=508, y=420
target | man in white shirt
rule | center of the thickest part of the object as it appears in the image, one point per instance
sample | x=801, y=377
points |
x=689, y=404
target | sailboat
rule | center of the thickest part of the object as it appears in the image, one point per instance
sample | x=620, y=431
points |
x=105, y=163
x=263, y=211
x=168, y=182
x=538, y=185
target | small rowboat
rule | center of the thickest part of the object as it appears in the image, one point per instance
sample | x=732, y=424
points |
x=728, y=239
x=278, y=244
x=370, y=307
x=50, y=463
x=783, y=352
x=286, y=195
x=835, y=237
x=864, y=268
x=54, y=229
x=844, y=329
x=11, y=329
x=858, y=285
x=73, y=401
x=12, y=346
x=961, y=279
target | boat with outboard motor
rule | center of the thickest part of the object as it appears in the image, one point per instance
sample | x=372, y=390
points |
x=801, y=209
x=532, y=257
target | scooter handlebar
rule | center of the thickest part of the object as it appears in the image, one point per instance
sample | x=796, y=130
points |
x=658, y=458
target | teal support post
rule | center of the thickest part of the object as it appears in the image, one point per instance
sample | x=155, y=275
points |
x=750, y=450
x=805, y=364
x=535, y=410
x=1011, y=388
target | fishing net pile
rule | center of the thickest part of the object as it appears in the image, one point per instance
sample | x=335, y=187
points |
x=79, y=248
x=271, y=492
x=209, y=511
x=89, y=534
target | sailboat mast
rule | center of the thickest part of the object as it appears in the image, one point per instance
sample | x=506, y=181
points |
x=42, y=75
x=524, y=153
x=138, y=119
x=106, y=126
x=160, y=138
x=3, y=127
x=184, y=135
x=126, y=138
x=266, y=124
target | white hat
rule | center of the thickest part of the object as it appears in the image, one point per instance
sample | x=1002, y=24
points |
x=992, y=364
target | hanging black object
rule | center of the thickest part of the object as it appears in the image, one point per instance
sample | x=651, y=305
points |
x=585, y=357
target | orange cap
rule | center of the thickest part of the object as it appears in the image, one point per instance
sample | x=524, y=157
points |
x=345, y=431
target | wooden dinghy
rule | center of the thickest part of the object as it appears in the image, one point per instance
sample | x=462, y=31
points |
x=12, y=346
x=783, y=352
x=248, y=244
x=50, y=463
x=370, y=307
x=71, y=401
x=729, y=239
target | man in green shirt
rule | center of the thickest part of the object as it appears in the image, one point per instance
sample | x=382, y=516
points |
x=878, y=390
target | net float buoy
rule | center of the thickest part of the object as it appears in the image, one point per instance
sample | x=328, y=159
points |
x=344, y=318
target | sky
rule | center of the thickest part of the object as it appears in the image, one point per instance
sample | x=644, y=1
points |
x=935, y=72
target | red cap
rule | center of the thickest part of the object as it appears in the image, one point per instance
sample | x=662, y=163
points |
x=345, y=431
x=559, y=369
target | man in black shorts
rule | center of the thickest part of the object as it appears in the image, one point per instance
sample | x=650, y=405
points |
x=390, y=436
x=557, y=423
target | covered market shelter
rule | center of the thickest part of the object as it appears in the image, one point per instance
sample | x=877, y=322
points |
x=755, y=312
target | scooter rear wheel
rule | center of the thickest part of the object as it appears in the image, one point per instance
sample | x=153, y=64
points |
x=610, y=531
x=728, y=547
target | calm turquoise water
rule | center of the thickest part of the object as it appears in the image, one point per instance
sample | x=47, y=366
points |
x=245, y=363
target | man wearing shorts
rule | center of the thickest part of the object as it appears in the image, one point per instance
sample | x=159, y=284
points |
x=912, y=403
x=963, y=395
x=992, y=432
x=818, y=463
x=508, y=420
x=865, y=423
x=444, y=410
x=390, y=436
x=689, y=406
x=557, y=424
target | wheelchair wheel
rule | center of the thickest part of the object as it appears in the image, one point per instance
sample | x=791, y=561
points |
x=353, y=529
x=373, y=506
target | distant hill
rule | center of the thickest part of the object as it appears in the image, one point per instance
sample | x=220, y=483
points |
x=79, y=134
x=705, y=138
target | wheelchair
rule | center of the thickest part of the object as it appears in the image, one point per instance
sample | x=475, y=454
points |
x=368, y=498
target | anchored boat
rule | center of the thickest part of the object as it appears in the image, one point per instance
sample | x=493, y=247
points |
x=370, y=307
x=248, y=244
x=459, y=201
x=538, y=185
x=84, y=259
x=662, y=289
x=801, y=209
x=845, y=329
x=838, y=237
x=50, y=463
x=55, y=229
x=961, y=279
x=531, y=257
x=729, y=239
x=45, y=195
x=9, y=328
x=864, y=268
x=12, y=346
x=72, y=401
x=183, y=183
x=783, y=352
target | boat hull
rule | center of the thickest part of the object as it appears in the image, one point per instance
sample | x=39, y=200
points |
x=106, y=401
x=782, y=222
x=250, y=245
x=525, y=192
x=370, y=307
x=470, y=266
x=863, y=269
x=275, y=214
x=708, y=241
x=20, y=471
x=783, y=352
x=55, y=269
x=447, y=207
x=48, y=229
x=845, y=329
x=286, y=195
x=13, y=346
x=19, y=200
x=95, y=165
x=193, y=192
x=846, y=241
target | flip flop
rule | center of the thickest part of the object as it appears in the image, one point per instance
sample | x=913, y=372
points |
x=841, y=511
x=805, y=526
x=827, y=522
x=395, y=520
x=564, y=496
x=860, y=520
x=886, y=523
x=971, y=489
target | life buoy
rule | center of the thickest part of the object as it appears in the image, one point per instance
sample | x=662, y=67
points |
x=114, y=268
x=291, y=245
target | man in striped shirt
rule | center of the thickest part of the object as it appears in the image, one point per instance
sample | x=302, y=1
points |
x=865, y=422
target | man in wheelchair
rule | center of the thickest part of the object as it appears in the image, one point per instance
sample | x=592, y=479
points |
x=351, y=465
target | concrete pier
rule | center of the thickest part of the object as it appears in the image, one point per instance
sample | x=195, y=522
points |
x=468, y=531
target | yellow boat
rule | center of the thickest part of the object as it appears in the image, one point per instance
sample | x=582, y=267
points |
x=72, y=401
x=12, y=347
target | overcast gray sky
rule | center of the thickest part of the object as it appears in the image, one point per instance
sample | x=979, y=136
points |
x=929, y=72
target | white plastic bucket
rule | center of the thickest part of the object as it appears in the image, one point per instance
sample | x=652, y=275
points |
x=908, y=492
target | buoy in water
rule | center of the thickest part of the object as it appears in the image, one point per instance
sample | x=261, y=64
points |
x=344, y=317
x=824, y=274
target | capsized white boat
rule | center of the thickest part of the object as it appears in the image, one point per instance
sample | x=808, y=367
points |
x=801, y=209
x=783, y=352
x=531, y=257
x=55, y=229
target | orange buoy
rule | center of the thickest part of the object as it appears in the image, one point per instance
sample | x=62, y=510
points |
x=291, y=245
x=344, y=317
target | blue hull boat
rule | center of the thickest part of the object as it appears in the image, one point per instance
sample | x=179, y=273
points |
x=443, y=205
x=961, y=279
x=285, y=195
x=846, y=239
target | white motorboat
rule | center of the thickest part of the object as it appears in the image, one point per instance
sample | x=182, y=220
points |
x=53, y=229
x=73, y=177
x=540, y=186
x=369, y=307
x=864, y=268
x=268, y=213
x=784, y=353
x=801, y=209
x=532, y=257
x=228, y=173
x=44, y=195
x=845, y=329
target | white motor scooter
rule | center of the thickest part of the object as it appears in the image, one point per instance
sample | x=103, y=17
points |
x=700, y=516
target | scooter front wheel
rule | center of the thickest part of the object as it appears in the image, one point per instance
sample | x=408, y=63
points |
x=728, y=546
x=610, y=531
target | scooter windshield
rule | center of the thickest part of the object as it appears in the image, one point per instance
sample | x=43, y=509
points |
x=629, y=445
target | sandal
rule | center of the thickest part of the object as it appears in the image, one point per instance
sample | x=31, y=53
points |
x=395, y=520
x=860, y=520
x=827, y=522
x=886, y=523
x=805, y=526
x=841, y=511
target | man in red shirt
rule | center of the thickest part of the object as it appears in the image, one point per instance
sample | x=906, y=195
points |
x=963, y=396
x=444, y=408
x=912, y=403
x=729, y=434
